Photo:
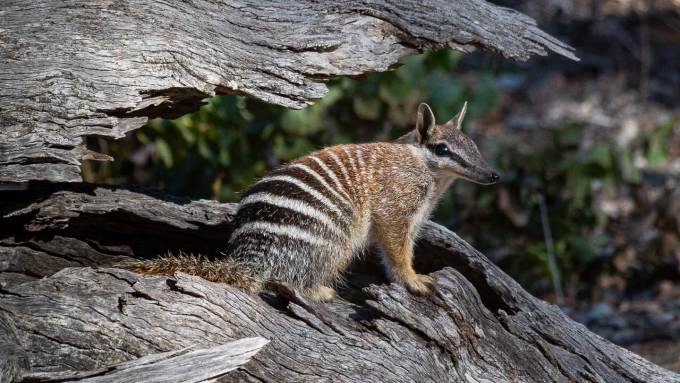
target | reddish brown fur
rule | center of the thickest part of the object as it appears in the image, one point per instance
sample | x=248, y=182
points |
x=392, y=198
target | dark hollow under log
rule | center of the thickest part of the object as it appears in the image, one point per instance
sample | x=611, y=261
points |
x=68, y=312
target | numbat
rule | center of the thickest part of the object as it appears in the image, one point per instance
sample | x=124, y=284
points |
x=304, y=223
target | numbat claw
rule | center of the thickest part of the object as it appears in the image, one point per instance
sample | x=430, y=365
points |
x=421, y=285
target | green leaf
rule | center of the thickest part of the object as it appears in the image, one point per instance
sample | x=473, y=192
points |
x=485, y=95
x=412, y=69
x=187, y=133
x=657, y=151
x=600, y=154
x=580, y=248
x=629, y=172
x=395, y=92
x=204, y=149
x=571, y=135
x=164, y=152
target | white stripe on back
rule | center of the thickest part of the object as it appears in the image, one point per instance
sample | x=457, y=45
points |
x=295, y=205
x=371, y=164
x=306, y=188
x=277, y=229
x=351, y=160
x=359, y=154
x=343, y=170
x=322, y=181
x=330, y=174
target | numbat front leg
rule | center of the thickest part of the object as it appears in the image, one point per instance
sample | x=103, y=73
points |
x=397, y=241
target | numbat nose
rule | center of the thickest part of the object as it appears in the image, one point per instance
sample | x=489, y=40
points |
x=494, y=177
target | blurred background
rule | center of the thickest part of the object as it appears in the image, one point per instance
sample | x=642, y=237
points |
x=587, y=215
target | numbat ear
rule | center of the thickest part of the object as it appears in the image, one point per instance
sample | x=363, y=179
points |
x=424, y=123
x=457, y=120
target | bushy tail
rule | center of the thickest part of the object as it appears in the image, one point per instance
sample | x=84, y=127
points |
x=215, y=270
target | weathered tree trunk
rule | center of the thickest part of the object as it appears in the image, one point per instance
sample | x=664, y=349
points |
x=479, y=326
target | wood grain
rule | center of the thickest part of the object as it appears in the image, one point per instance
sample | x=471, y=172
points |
x=186, y=365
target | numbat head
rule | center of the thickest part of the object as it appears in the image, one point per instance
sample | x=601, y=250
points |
x=449, y=151
x=303, y=223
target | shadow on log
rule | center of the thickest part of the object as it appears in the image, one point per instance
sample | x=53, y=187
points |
x=479, y=326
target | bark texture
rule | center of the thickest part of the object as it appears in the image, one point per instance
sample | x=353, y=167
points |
x=480, y=326
x=186, y=365
x=76, y=68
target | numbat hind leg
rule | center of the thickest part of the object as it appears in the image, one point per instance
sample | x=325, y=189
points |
x=320, y=293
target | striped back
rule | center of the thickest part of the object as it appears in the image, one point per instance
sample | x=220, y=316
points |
x=301, y=216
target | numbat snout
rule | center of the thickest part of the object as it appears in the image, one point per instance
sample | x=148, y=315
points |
x=303, y=223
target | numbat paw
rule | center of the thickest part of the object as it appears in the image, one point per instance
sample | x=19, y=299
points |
x=421, y=285
x=320, y=293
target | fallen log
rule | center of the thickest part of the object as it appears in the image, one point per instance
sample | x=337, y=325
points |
x=13, y=360
x=479, y=326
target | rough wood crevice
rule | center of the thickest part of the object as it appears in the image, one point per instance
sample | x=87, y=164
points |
x=479, y=326
x=72, y=69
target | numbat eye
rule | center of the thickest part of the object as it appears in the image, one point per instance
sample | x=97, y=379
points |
x=441, y=150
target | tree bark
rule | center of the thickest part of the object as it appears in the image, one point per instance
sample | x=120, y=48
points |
x=480, y=325
x=76, y=68
x=186, y=365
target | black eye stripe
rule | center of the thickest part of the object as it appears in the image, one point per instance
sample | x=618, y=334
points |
x=455, y=157
x=459, y=160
